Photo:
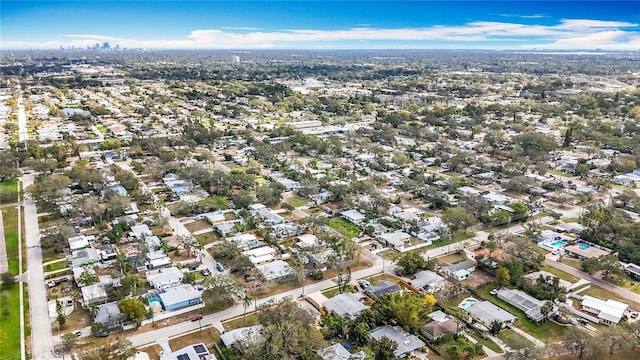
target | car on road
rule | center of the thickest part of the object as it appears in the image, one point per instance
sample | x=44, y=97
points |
x=196, y=317
x=205, y=272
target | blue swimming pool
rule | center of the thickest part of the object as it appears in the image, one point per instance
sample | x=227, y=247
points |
x=583, y=246
x=468, y=302
x=558, y=243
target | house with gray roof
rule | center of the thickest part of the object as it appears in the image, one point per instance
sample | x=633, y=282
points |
x=459, y=270
x=406, y=342
x=346, y=305
x=525, y=302
x=427, y=281
x=338, y=352
x=381, y=288
x=110, y=316
x=249, y=334
x=440, y=324
x=486, y=313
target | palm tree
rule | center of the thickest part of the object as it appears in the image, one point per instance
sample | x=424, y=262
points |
x=246, y=302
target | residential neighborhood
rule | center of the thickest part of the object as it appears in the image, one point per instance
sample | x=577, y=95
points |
x=464, y=206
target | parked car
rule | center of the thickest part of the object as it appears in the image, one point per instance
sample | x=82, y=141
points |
x=634, y=314
x=219, y=267
x=205, y=272
x=196, y=317
x=493, y=292
x=248, y=278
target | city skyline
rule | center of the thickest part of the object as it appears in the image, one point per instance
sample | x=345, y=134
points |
x=521, y=25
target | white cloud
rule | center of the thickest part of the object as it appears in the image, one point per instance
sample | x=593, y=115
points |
x=570, y=33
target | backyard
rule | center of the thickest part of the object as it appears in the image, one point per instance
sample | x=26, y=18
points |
x=344, y=227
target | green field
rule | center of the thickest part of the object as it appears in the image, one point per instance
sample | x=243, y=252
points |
x=8, y=191
x=10, y=217
x=344, y=227
x=59, y=265
x=10, y=296
x=10, y=322
x=297, y=201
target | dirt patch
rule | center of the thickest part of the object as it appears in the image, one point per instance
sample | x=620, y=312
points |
x=478, y=279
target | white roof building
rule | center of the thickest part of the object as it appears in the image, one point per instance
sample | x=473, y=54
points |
x=609, y=312
x=346, y=305
x=248, y=334
x=261, y=255
x=275, y=271
x=166, y=278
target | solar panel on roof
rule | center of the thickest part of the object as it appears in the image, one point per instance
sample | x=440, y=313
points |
x=199, y=348
x=184, y=357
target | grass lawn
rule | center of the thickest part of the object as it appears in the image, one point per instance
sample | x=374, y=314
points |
x=545, y=331
x=509, y=336
x=8, y=191
x=297, y=201
x=251, y=319
x=559, y=273
x=10, y=322
x=574, y=263
x=56, y=266
x=486, y=342
x=617, y=355
x=335, y=291
x=10, y=219
x=207, y=238
x=344, y=227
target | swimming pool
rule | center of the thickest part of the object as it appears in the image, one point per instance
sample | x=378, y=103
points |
x=558, y=243
x=583, y=246
x=468, y=302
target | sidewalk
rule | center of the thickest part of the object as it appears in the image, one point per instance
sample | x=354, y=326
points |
x=486, y=350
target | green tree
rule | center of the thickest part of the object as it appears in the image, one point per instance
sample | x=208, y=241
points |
x=502, y=276
x=383, y=348
x=7, y=279
x=458, y=218
x=132, y=309
x=69, y=341
x=60, y=318
x=411, y=263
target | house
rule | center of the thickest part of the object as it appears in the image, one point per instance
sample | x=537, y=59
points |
x=338, y=352
x=180, y=296
x=248, y=334
x=353, y=216
x=406, y=342
x=495, y=199
x=282, y=231
x=525, y=302
x=333, y=208
x=165, y=278
x=277, y=271
x=427, y=281
x=532, y=279
x=632, y=270
x=270, y=218
x=158, y=259
x=307, y=241
x=110, y=316
x=609, y=312
x=80, y=242
x=346, y=305
x=381, y=288
x=321, y=258
x=440, y=324
x=486, y=313
x=260, y=255
x=585, y=251
x=94, y=294
x=459, y=270
x=84, y=257
x=139, y=231
x=192, y=352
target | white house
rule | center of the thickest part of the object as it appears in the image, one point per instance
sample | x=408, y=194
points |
x=353, y=216
x=165, y=278
x=609, y=312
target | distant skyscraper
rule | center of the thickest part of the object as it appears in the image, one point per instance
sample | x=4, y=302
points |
x=105, y=45
x=235, y=58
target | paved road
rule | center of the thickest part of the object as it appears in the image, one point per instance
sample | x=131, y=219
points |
x=150, y=337
x=41, y=339
x=594, y=280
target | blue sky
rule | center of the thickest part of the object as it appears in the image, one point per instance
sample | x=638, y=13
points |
x=322, y=24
